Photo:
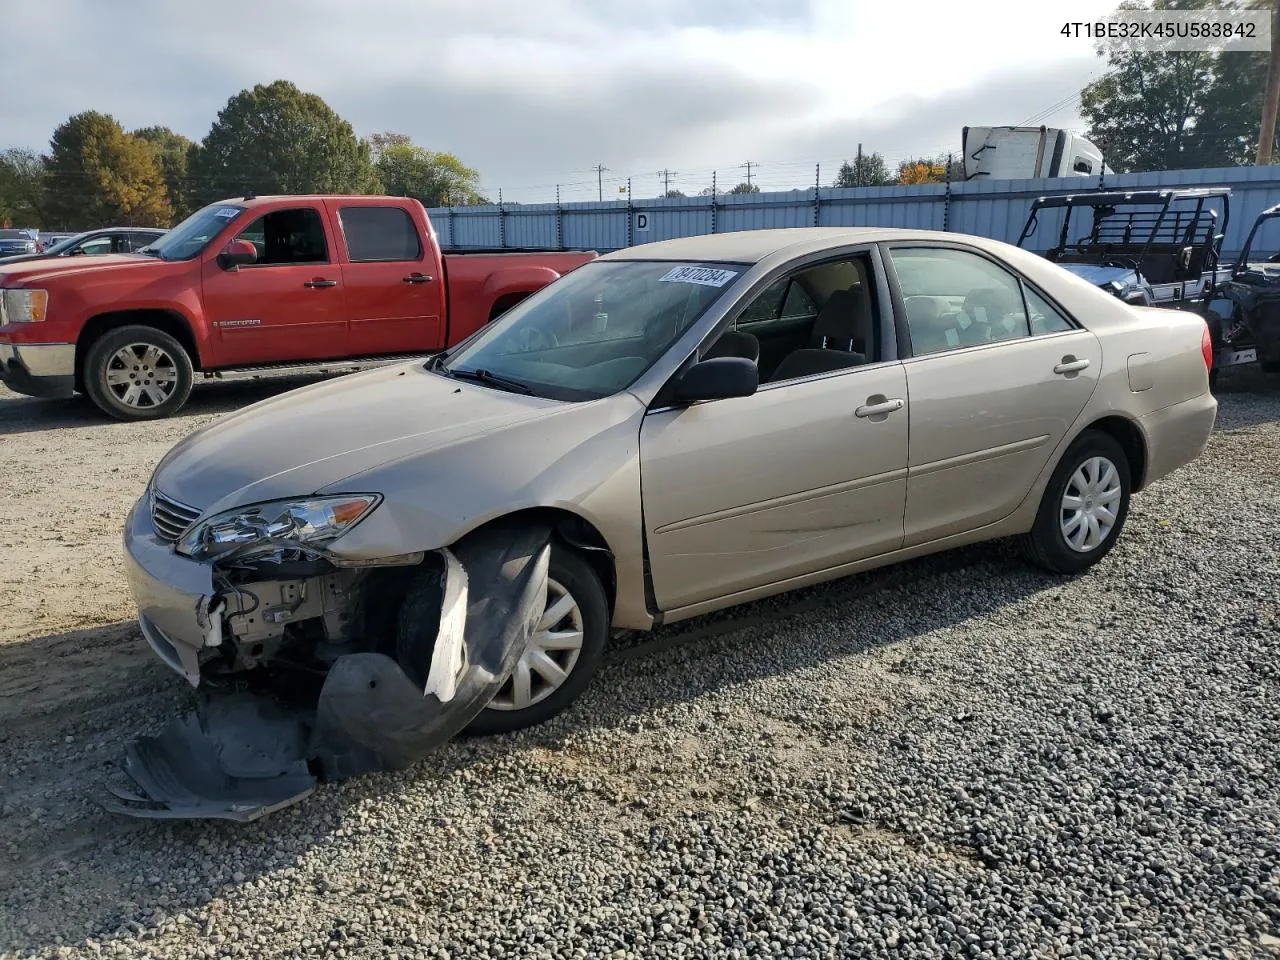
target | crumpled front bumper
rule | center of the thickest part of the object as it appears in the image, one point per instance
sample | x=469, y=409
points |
x=172, y=592
x=244, y=754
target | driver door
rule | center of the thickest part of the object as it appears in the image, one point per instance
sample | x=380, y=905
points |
x=805, y=475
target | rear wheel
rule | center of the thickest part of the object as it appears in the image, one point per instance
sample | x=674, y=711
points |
x=137, y=373
x=1084, y=506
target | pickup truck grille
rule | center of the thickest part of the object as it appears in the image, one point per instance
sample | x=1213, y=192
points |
x=170, y=517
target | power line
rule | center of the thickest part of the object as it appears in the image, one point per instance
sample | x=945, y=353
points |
x=666, y=176
x=600, y=168
x=749, y=164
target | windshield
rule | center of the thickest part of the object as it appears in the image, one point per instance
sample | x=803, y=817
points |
x=595, y=330
x=194, y=233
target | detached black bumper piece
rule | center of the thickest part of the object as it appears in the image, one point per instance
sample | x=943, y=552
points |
x=244, y=755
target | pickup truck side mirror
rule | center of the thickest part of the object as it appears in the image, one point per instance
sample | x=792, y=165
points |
x=718, y=378
x=237, y=253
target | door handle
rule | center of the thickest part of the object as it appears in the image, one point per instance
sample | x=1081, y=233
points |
x=418, y=278
x=320, y=282
x=879, y=409
x=1070, y=364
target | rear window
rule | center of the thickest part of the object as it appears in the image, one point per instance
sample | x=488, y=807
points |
x=379, y=234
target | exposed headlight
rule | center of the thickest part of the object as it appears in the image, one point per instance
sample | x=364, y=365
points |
x=23, y=306
x=312, y=522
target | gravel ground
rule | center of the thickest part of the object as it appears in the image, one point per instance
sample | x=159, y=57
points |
x=956, y=757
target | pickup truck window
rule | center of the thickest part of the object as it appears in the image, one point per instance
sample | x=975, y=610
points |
x=287, y=236
x=193, y=234
x=595, y=330
x=379, y=234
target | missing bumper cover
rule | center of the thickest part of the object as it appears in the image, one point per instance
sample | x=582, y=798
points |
x=243, y=755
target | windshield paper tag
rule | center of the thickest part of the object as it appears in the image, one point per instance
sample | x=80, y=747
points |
x=227, y=212
x=706, y=276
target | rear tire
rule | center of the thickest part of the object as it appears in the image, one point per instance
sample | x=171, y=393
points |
x=1084, y=506
x=137, y=373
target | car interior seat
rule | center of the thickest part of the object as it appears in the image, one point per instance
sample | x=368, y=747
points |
x=840, y=336
x=735, y=343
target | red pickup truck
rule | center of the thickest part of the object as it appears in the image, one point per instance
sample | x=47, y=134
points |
x=242, y=285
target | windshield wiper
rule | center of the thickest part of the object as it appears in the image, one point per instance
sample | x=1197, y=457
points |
x=490, y=379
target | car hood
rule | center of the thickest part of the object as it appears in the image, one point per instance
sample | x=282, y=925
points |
x=45, y=268
x=1100, y=275
x=303, y=441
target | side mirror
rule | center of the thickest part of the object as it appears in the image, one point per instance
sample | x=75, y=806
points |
x=717, y=379
x=237, y=253
x=76, y=252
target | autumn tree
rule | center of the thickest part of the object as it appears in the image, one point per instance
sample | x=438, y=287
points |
x=867, y=170
x=435, y=179
x=98, y=175
x=275, y=138
x=1170, y=110
x=173, y=152
x=22, y=188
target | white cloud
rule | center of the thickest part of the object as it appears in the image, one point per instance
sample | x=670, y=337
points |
x=535, y=93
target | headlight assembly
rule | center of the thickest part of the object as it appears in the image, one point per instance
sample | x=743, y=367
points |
x=312, y=522
x=23, y=306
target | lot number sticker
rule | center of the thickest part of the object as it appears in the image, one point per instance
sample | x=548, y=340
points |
x=706, y=276
x=227, y=212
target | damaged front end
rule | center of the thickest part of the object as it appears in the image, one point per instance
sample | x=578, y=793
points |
x=308, y=670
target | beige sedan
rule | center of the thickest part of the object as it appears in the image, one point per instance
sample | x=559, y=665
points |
x=668, y=430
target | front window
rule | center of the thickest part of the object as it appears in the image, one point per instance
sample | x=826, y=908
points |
x=593, y=332
x=193, y=234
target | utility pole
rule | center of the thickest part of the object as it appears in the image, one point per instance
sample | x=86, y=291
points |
x=1269, y=106
x=666, y=176
x=749, y=164
x=857, y=170
x=600, y=169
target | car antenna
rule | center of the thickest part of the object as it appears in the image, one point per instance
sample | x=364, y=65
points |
x=248, y=194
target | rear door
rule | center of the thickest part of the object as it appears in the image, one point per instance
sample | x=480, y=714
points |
x=394, y=301
x=996, y=377
x=286, y=306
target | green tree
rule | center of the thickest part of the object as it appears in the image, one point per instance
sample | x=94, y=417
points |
x=22, y=189
x=173, y=151
x=1170, y=110
x=436, y=179
x=745, y=187
x=869, y=170
x=98, y=175
x=276, y=138
x=673, y=194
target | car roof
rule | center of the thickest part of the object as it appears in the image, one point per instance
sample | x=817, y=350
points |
x=753, y=246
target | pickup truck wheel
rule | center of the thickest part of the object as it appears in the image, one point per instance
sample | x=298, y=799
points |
x=564, y=652
x=137, y=373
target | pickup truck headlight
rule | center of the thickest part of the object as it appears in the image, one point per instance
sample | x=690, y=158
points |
x=263, y=527
x=23, y=306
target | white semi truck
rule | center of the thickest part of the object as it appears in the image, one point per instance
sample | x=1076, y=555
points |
x=1017, y=153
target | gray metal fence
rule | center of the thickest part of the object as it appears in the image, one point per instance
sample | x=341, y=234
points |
x=989, y=208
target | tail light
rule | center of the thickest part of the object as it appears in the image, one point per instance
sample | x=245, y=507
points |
x=1206, y=347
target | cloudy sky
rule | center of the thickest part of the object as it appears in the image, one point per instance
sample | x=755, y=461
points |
x=536, y=92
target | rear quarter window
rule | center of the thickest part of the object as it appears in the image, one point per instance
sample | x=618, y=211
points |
x=379, y=234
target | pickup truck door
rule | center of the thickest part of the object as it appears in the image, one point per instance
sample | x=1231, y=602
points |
x=394, y=290
x=288, y=305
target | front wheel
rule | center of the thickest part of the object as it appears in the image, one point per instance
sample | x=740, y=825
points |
x=137, y=373
x=564, y=652
x=1084, y=506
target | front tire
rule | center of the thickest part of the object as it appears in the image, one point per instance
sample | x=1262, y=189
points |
x=564, y=653
x=138, y=373
x=1084, y=506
